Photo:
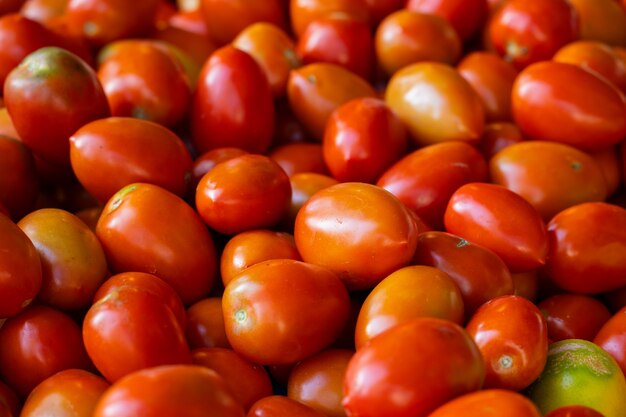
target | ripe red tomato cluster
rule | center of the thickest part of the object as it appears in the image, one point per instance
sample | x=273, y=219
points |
x=294, y=208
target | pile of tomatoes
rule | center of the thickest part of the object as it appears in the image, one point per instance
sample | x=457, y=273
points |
x=309, y=208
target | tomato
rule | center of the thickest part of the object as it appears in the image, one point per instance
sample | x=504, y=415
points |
x=339, y=40
x=9, y=402
x=549, y=24
x=273, y=50
x=477, y=271
x=247, y=381
x=573, y=316
x=36, y=344
x=379, y=9
x=488, y=403
x=19, y=184
x=281, y=406
x=6, y=125
x=362, y=139
x=386, y=365
x=243, y=193
x=72, y=259
x=588, y=240
x=498, y=136
x=282, y=311
x=288, y=128
x=251, y=247
x=227, y=18
x=303, y=186
x=551, y=176
x=72, y=392
x=574, y=411
x=526, y=284
x=425, y=179
x=109, y=154
x=501, y=220
x=408, y=293
x=466, y=17
x=104, y=21
x=359, y=231
x=612, y=337
x=591, y=116
x=436, y=104
x=10, y=6
x=601, y=20
x=180, y=390
x=314, y=91
x=579, y=372
x=205, y=324
x=61, y=92
x=137, y=237
x=303, y=12
x=609, y=163
x=43, y=11
x=318, y=381
x=300, y=157
x=21, y=278
x=195, y=47
x=205, y=162
x=233, y=104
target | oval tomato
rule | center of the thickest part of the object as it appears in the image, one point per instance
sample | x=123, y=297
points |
x=303, y=12
x=612, y=337
x=574, y=411
x=466, y=16
x=300, y=157
x=205, y=324
x=573, y=316
x=282, y=406
x=498, y=136
x=19, y=183
x=303, y=186
x=206, y=161
x=488, y=403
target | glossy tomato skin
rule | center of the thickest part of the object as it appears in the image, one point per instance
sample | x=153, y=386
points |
x=233, y=104
x=385, y=365
x=205, y=324
x=21, y=279
x=488, y=403
x=591, y=116
x=550, y=25
x=71, y=392
x=362, y=139
x=497, y=218
x=477, y=271
x=359, y=231
x=24, y=337
x=436, y=104
x=110, y=153
x=579, y=240
x=303, y=12
x=425, y=179
x=19, y=183
x=465, y=16
x=410, y=292
x=574, y=411
x=303, y=186
x=282, y=406
x=573, y=316
x=61, y=92
x=181, y=390
x=206, y=161
x=244, y=193
x=135, y=237
x=612, y=337
x=282, y=311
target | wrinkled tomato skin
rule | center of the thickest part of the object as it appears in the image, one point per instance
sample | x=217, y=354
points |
x=497, y=218
x=425, y=179
x=573, y=316
x=591, y=116
x=135, y=238
x=19, y=182
x=233, y=104
x=385, y=365
x=612, y=337
x=205, y=324
x=489, y=403
x=282, y=406
x=466, y=16
x=588, y=240
x=61, y=92
x=36, y=344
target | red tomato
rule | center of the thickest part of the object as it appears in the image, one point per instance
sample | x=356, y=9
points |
x=387, y=365
x=21, y=276
x=591, y=116
x=282, y=311
x=233, y=104
x=303, y=12
x=359, y=231
x=362, y=139
x=243, y=193
x=612, y=337
x=425, y=179
x=36, y=344
x=10, y=6
x=136, y=236
x=574, y=411
x=498, y=136
x=489, y=403
x=526, y=284
x=109, y=154
x=609, y=163
x=588, y=240
x=501, y=220
x=408, y=293
x=61, y=92
x=300, y=157
x=280, y=406
x=478, y=272
x=465, y=16
x=206, y=161
x=205, y=324
x=10, y=404
x=573, y=316
x=19, y=184
x=196, y=47
x=72, y=392
x=548, y=25
x=318, y=381
x=174, y=390
x=303, y=186
x=379, y=9
x=601, y=20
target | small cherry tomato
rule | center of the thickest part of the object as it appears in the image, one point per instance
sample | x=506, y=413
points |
x=303, y=12
x=466, y=16
x=601, y=20
x=282, y=406
x=574, y=411
x=573, y=316
x=488, y=403
x=612, y=337
x=498, y=136
x=19, y=183
x=282, y=311
x=300, y=157
x=501, y=220
x=205, y=324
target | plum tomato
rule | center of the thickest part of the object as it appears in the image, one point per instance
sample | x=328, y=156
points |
x=206, y=161
x=611, y=167
x=501, y=220
x=573, y=316
x=379, y=9
x=300, y=157
x=303, y=12
x=205, y=324
x=10, y=404
x=465, y=16
x=136, y=236
x=612, y=337
x=574, y=411
x=387, y=365
x=282, y=311
x=498, y=136
x=303, y=186
x=19, y=182
x=282, y=406
x=601, y=20
x=488, y=403
x=359, y=231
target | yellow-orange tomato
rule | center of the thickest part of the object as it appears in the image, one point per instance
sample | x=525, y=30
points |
x=489, y=403
x=436, y=104
x=601, y=20
x=303, y=186
x=304, y=12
